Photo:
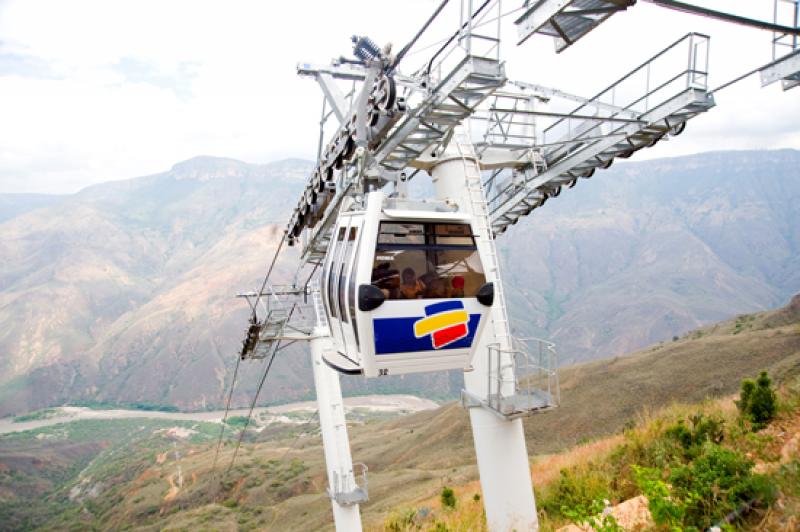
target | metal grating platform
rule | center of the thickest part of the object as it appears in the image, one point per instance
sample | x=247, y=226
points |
x=566, y=20
x=657, y=102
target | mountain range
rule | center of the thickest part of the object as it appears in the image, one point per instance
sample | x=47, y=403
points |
x=124, y=291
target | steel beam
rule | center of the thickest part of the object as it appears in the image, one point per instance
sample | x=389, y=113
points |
x=787, y=68
x=334, y=96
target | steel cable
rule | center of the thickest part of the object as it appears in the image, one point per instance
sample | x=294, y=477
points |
x=227, y=409
x=253, y=403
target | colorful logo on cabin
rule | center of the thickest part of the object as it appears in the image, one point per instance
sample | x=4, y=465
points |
x=445, y=322
x=445, y=325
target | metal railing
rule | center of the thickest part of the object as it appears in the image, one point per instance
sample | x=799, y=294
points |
x=524, y=378
x=477, y=34
x=680, y=66
x=787, y=13
x=345, y=488
x=280, y=312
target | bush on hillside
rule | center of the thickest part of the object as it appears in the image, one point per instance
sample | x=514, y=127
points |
x=757, y=400
x=699, y=430
x=237, y=421
x=594, y=516
x=448, y=498
x=692, y=481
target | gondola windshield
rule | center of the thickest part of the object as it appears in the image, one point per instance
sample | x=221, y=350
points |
x=417, y=260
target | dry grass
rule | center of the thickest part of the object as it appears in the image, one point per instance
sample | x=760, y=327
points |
x=548, y=467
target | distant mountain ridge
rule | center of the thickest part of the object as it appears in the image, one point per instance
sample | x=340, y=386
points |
x=123, y=291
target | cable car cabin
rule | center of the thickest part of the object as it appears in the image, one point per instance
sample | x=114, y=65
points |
x=404, y=291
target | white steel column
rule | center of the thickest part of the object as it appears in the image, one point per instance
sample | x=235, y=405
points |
x=338, y=461
x=499, y=443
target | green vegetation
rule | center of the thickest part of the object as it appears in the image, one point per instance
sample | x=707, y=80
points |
x=693, y=471
x=745, y=321
x=107, y=405
x=46, y=413
x=757, y=400
x=593, y=516
x=237, y=421
x=448, y=498
x=695, y=466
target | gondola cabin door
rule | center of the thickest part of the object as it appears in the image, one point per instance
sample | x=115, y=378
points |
x=405, y=291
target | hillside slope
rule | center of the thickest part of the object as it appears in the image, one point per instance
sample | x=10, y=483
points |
x=278, y=480
x=667, y=245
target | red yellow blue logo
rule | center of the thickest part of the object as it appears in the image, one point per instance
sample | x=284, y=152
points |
x=445, y=322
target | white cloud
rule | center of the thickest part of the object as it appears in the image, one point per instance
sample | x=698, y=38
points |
x=98, y=90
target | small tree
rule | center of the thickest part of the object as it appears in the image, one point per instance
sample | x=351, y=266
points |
x=448, y=498
x=763, y=402
x=757, y=400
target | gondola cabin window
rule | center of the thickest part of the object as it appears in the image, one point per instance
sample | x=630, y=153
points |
x=425, y=260
x=332, y=270
x=346, y=261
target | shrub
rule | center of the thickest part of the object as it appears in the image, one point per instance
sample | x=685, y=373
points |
x=701, y=429
x=594, y=516
x=665, y=509
x=757, y=400
x=401, y=521
x=448, y=498
x=577, y=489
x=763, y=402
x=699, y=493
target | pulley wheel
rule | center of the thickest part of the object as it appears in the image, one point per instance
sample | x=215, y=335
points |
x=385, y=92
x=677, y=130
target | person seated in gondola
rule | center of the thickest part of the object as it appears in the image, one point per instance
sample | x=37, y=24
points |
x=457, y=289
x=437, y=289
x=387, y=279
x=411, y=287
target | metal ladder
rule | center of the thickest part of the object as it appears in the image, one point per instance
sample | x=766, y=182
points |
x=480, y=211
x=319, y=307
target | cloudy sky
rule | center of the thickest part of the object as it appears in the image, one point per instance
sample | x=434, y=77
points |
x=93, y=91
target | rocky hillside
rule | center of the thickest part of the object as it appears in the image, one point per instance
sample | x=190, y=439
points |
x=646, y=251
x=123, y=292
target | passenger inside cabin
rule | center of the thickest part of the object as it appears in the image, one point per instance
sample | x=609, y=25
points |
x=387, y=279
x=436, y=289
x=458, y=286
x=411, y=287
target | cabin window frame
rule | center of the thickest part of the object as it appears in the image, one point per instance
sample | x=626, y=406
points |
x=352, y=283
x=347, y=259
x=332, y=278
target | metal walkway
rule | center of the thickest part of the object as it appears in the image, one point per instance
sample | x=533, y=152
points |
x=632, y=113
